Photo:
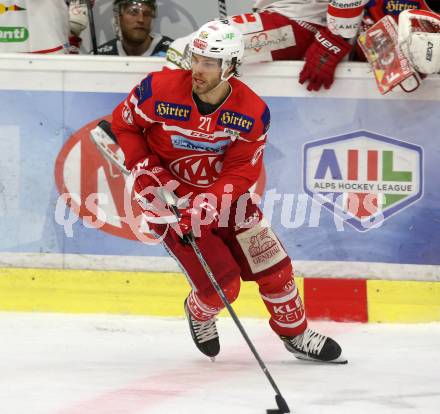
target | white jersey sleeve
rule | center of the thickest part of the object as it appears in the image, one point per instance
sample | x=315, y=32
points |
x=34, y=26
x=311, y=11
x=344, y=17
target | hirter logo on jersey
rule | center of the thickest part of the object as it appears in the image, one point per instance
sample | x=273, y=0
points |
x=198, y=170
x=235, y=120
x=171, y=110
x=363, y=177
x=397, y=6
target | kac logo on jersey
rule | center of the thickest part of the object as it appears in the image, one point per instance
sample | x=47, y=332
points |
x=198, y=170
x=172, y=111
x=363, y=177
x=395, y=7
x=235, y=120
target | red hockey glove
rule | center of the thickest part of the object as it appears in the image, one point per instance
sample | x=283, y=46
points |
x=199, y=213
x=74, y=44
x=150, y=180
x=322, y=57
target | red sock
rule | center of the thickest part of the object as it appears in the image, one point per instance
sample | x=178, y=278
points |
x=282, y=300
x=205, y=307
x=199, y=310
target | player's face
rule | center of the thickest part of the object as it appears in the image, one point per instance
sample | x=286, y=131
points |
x=135, y=21
x=206, y=73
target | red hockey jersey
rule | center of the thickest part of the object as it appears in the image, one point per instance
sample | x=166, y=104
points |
x=203, y=152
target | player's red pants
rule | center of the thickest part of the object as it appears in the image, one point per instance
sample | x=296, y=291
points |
x=244, y=248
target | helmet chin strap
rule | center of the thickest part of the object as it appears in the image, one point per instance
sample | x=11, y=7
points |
x=225, y=77
x=225, y=66
x=222, y=80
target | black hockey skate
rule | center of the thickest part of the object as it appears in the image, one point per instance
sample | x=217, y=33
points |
x=204, y=334
x=313, y=346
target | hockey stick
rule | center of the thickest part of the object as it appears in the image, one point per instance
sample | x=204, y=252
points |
x=189, y=238
x=222, y=9
x=103, y=138
x=92, y=26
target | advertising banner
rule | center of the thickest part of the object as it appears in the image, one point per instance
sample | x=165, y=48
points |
x=346, y=178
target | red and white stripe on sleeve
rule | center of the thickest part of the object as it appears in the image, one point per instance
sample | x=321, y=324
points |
x=344, y=17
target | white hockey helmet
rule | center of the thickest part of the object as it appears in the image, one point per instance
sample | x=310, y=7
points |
x=218, y=39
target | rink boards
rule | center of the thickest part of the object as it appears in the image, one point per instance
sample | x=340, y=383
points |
x=323, y=147
x=162, y=294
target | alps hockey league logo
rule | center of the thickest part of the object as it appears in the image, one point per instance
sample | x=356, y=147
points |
x=363, y=177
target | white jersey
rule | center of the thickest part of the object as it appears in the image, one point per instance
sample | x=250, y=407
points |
x=342, y=17
x=312, y=11
x=38, y=26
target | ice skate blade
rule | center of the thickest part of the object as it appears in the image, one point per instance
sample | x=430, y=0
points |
x=340, y=360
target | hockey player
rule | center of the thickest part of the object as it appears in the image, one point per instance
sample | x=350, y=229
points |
x=201, y=132
x=319, y=31
x=132, y=22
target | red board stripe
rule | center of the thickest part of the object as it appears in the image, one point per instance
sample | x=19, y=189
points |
x=342, y=300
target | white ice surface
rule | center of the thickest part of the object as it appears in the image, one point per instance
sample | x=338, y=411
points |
x=100, y=364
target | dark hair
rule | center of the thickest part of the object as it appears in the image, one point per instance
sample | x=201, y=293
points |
x=236, y=66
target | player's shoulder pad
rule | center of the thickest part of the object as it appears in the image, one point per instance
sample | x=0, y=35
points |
x=157, y=83
x=265, y=119
x=144, y=90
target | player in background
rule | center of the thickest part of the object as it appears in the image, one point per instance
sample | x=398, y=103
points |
x=43, y=26
x=319, y=31
x=132, y=22
x=201, y=133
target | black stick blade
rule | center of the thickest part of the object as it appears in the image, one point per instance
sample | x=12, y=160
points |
x=282, y=405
